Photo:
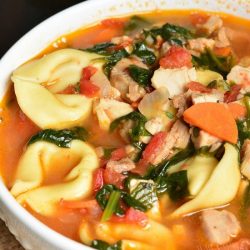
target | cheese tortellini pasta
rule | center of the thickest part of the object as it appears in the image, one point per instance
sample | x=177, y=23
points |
x=38, y=83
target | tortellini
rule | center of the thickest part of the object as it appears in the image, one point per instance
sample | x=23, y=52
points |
x=221, y=187
x=153, y=236
x=34, y=166
x=37, y=82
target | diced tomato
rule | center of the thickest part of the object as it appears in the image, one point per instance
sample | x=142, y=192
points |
x=112, y=177
x=113, y=22
x=153, y=146
x=68, y=91
x=196, y=86
x=88, y=71
x=87, y=88
x=225, y=51
x=132, y=216
x=176, y=57
x=118, y=154
x=231, y=96
x=98, y=179
x=198, y=18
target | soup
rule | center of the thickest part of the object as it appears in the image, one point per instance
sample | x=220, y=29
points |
x=133, y=133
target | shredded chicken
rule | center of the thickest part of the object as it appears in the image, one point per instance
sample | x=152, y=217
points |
x=108, y=110
x=121, y=80
x=120, y=166
x=213, y=24
x=222, y=39
x=181, y=102
x=173, y=79
x=245, y=165
x=205, y=140
x=199, y=45
x=154, y=125
x=178, y=137
x=215, y=96
x=106, y=90
x=239, y=75
x=219, y=226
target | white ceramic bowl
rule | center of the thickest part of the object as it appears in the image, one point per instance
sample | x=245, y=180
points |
x=31, y=233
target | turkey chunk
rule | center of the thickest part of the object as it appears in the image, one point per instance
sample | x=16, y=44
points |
x=239, y=75
x=245, y=166
x=200, y=44
x=212, y=24
x=108, y=110
x=215, y=96
x=173, y=79
x=219, y=226
x=120, y=166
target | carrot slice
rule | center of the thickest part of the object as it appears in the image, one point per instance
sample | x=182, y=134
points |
x=214, y=118
x=238, y=111
x=224, y=51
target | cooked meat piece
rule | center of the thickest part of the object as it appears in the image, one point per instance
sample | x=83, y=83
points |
x=120, y=166
x=215, y=96
x=121, y=39
x=205, y=140
x=242, y=244
x=121, y=80
x=239, y=75
x=200, y=44
x=154, y=125
x=245, y=165
x=108, y=110
x=124, y=130
x=212, y=24
x=222, y=39
x=181, y=101
x=106, y=90
x=178, y=137
x=173, y=79
x=219, y=226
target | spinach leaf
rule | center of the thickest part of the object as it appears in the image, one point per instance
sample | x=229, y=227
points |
x=147, y=56
x=103, y=196
x=140, y=75
x=135, y=23
x=138, y=128
x=176, y=185
x=245, y=204
x=243, y=132
x=112, y=206
x=112, y=59
x=108, y=152
x=132, y=202
x=175, y=34
x=145, y=193
x=62, y=138
x=209, y=60
x=102, y=245
x=101, y=48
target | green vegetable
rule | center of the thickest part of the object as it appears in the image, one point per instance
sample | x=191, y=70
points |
x=144, y=53
x=104, y=195
x=112, y=59
x=108, y=152
x=135, y=23
x=243, y=132
x=145, y=193
x=138, y=128
x=102, y=245
x=169, y=115
x=245, y=204
x=101, y=48
x=140, y=75
x=219, y=85
x=175, y=34
x=111, y=206
x=62, y=138
x=176, y=185
x=208, y=60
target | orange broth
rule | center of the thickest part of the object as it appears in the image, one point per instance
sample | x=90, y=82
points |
x=16, y=128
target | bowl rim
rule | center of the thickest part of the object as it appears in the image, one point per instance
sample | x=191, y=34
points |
x=29, y=221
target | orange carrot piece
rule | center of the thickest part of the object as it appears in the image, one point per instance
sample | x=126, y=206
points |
x=225, y=51
x=237, y=110
x=214, y=118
